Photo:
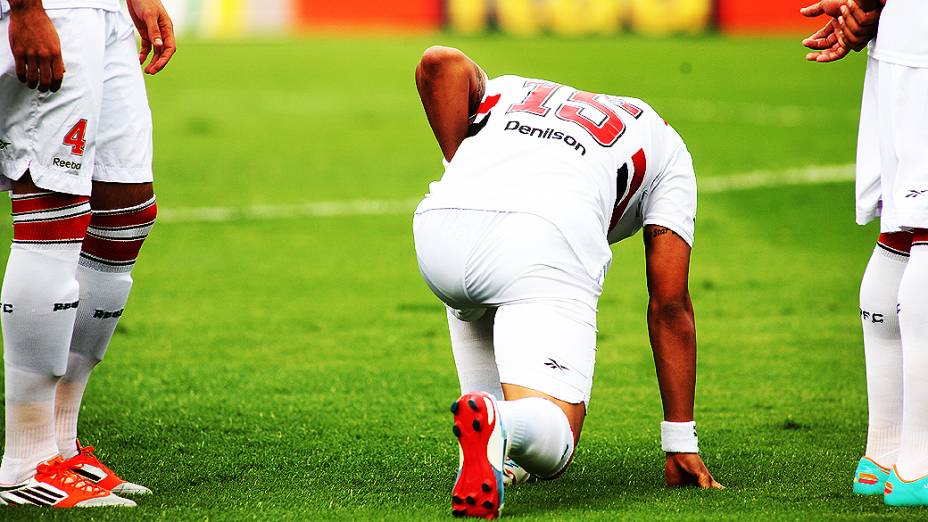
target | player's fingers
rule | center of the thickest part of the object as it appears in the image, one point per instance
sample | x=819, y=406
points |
x=157, y=43
x=813, y=10
x=45, y=75
x=32, y=71
x=57, y=73
x=814, y=40
x=821, y=44
x=863, y=17
x=169, y=48
x=849, y=25
x=144, y=49
x=20, y=60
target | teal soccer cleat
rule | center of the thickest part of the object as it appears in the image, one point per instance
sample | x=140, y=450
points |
x=899, y=492
x=870, y=477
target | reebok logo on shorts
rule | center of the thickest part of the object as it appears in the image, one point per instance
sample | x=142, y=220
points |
x=65, y=164
x=915, y=193
x=554, y=365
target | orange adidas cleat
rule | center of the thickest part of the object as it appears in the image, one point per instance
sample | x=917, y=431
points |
x=55, y=485
x=88, y=466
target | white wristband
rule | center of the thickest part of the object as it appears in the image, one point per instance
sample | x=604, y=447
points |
x=679, y=437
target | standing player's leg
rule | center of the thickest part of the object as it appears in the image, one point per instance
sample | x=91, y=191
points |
x=879, y=290
x=123, y=212
x=40, y=300
x=122, y=216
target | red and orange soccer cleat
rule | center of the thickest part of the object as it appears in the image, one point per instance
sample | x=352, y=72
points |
x=88, y=466
x=55, y=485
x=478, y=490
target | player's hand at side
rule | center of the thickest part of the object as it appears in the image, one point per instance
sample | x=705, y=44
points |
x=36, y=48
x=850, y=28
x=688, y=469
x=156, y=31
x=858, y=27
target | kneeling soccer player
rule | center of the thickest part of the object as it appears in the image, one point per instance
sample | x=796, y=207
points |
x=540, y=178
x=77, y=154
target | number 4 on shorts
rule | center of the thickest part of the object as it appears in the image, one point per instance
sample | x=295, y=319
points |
x=75, y=137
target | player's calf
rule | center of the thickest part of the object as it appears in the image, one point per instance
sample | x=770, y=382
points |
x=114, y=239
x=40, y=299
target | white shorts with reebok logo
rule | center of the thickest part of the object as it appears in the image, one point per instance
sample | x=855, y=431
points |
x=96, y=127
x=544, y=331
x=892, y=147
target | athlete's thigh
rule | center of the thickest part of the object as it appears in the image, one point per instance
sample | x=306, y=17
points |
x=124, y=136
x=548, y=346
x=53, y=135
x=910, y=136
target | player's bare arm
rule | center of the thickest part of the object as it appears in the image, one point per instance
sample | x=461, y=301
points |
x=156, y=32
x=36, y=47
x=672, y=329
x=852, y=24
x=450, y=86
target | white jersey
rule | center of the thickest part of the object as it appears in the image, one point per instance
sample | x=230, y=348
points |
x=598, y=167
x=106, y=5
x=903, y=35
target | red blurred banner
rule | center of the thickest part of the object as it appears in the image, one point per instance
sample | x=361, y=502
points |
x=777, y=16
x=399, y=14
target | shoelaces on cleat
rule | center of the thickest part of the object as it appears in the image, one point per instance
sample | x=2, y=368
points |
x=57, y=471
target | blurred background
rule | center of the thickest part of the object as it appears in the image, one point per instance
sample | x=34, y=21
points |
x=236, y=18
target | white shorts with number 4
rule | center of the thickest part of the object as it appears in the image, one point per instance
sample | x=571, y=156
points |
x=97, y=127
x=892, y=147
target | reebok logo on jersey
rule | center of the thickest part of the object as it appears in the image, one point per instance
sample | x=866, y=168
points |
x=545, y=134
x=554, y=365
x=103, y=314
x=65, y=164
x=59, y=307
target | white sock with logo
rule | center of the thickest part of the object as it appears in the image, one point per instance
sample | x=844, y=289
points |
x=40, y=300
x=103, y=297
x=912, y=463
x=474, y=358
x=540, y=438
x=879, y=290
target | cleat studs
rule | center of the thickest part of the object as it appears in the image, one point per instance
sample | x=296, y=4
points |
x=458, y=512
x=489, y=505
x=473, y=404
x=476, y=425
x=486, y=487
x=470, y=500
x=456, y=431
x=454, y=407
x=457, y=500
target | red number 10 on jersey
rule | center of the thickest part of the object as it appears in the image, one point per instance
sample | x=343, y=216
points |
x=605, y=130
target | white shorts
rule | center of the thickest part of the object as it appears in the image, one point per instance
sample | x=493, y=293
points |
x=544, y=332
x=892, y=147
x=96, y=127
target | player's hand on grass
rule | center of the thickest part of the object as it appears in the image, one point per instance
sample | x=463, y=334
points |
x=156, y=31
x=688, y=469
x=36, y=47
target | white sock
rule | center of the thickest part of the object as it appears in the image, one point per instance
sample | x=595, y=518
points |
x=39, y=303
x=883, y=350
x=103, y=297
x=913, y=321
x=540, y=438
x=472, y=345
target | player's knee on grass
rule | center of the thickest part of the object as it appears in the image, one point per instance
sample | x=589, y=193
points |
x=541, y=438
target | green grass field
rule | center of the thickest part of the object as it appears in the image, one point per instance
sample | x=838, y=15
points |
x=299, y=369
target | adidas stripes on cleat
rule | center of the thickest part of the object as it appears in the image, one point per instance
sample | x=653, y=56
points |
x=478, y=490
x=870, y=477
x=55, y=485
x=88, y=466
x=899, y=492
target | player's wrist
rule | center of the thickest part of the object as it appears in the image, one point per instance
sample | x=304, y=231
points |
x=25, y=6
x=679, y=437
